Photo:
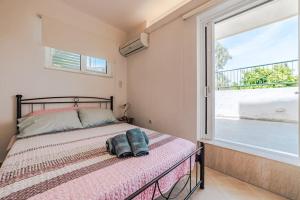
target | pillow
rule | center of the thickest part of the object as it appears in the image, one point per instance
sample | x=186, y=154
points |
x=48, y=122
x=90, y=117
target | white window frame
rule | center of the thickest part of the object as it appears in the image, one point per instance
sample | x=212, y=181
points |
x=83, y=68
x=206, y=19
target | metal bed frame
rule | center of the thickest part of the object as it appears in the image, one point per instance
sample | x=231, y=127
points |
x=198, y=154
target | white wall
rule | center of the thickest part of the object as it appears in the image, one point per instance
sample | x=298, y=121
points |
x=162, y=80
x=273, y=104
x=22, y=60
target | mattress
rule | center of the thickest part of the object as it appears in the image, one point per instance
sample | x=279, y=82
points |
x=76, y=165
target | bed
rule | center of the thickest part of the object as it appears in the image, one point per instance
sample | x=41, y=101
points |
x=75, y=164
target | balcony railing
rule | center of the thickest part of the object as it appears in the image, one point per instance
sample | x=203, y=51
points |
x=240, y=78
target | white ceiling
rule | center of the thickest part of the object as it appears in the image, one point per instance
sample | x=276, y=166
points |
x=263, y=15
x=126, y=14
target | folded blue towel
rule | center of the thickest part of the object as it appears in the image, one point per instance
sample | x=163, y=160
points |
x=110, y=147
x=146, y=137
x=138, y=142
x=121, y=146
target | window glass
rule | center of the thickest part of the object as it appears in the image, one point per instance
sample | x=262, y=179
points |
x=96, y=64
x=64, y=59
x=256, y=78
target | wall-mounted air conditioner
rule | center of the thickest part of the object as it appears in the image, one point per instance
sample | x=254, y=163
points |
x=135, y=45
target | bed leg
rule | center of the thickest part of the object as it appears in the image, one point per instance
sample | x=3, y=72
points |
x=202, y=165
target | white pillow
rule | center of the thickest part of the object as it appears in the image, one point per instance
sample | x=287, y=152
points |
x=91, y=117
x=48, y=122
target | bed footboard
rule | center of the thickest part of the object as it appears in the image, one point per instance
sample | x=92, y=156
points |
x=189, y=184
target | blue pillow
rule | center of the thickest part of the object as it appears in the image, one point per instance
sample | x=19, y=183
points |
x=91, y=117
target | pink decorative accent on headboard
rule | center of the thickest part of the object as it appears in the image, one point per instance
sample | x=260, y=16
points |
x=41, y=112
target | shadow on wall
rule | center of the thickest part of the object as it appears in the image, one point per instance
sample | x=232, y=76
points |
x=8, y=128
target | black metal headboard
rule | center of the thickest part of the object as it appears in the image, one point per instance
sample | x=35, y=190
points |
x=75, y=100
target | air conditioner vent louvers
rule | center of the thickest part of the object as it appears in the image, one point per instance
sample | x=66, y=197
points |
x=134, y=46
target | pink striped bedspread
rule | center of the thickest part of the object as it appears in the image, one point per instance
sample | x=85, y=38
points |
x=75, y=165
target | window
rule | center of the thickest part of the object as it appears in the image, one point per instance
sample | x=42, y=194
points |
x=96, y=64
x=74, y=62
x=65, y=60
x=250, y=78
x=256, y=84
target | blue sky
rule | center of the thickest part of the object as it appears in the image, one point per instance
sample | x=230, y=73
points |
x=96, y=62
x=268, y=44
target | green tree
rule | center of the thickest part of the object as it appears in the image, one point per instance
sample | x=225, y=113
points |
x=222, y=56
x=280, y=76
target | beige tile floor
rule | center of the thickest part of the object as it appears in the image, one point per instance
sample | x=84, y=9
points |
x=219, y=186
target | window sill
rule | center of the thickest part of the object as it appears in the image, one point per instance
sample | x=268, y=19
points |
x=256, y=151
x=80, y=72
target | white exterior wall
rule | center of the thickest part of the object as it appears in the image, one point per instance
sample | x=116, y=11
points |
x=274, y=104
